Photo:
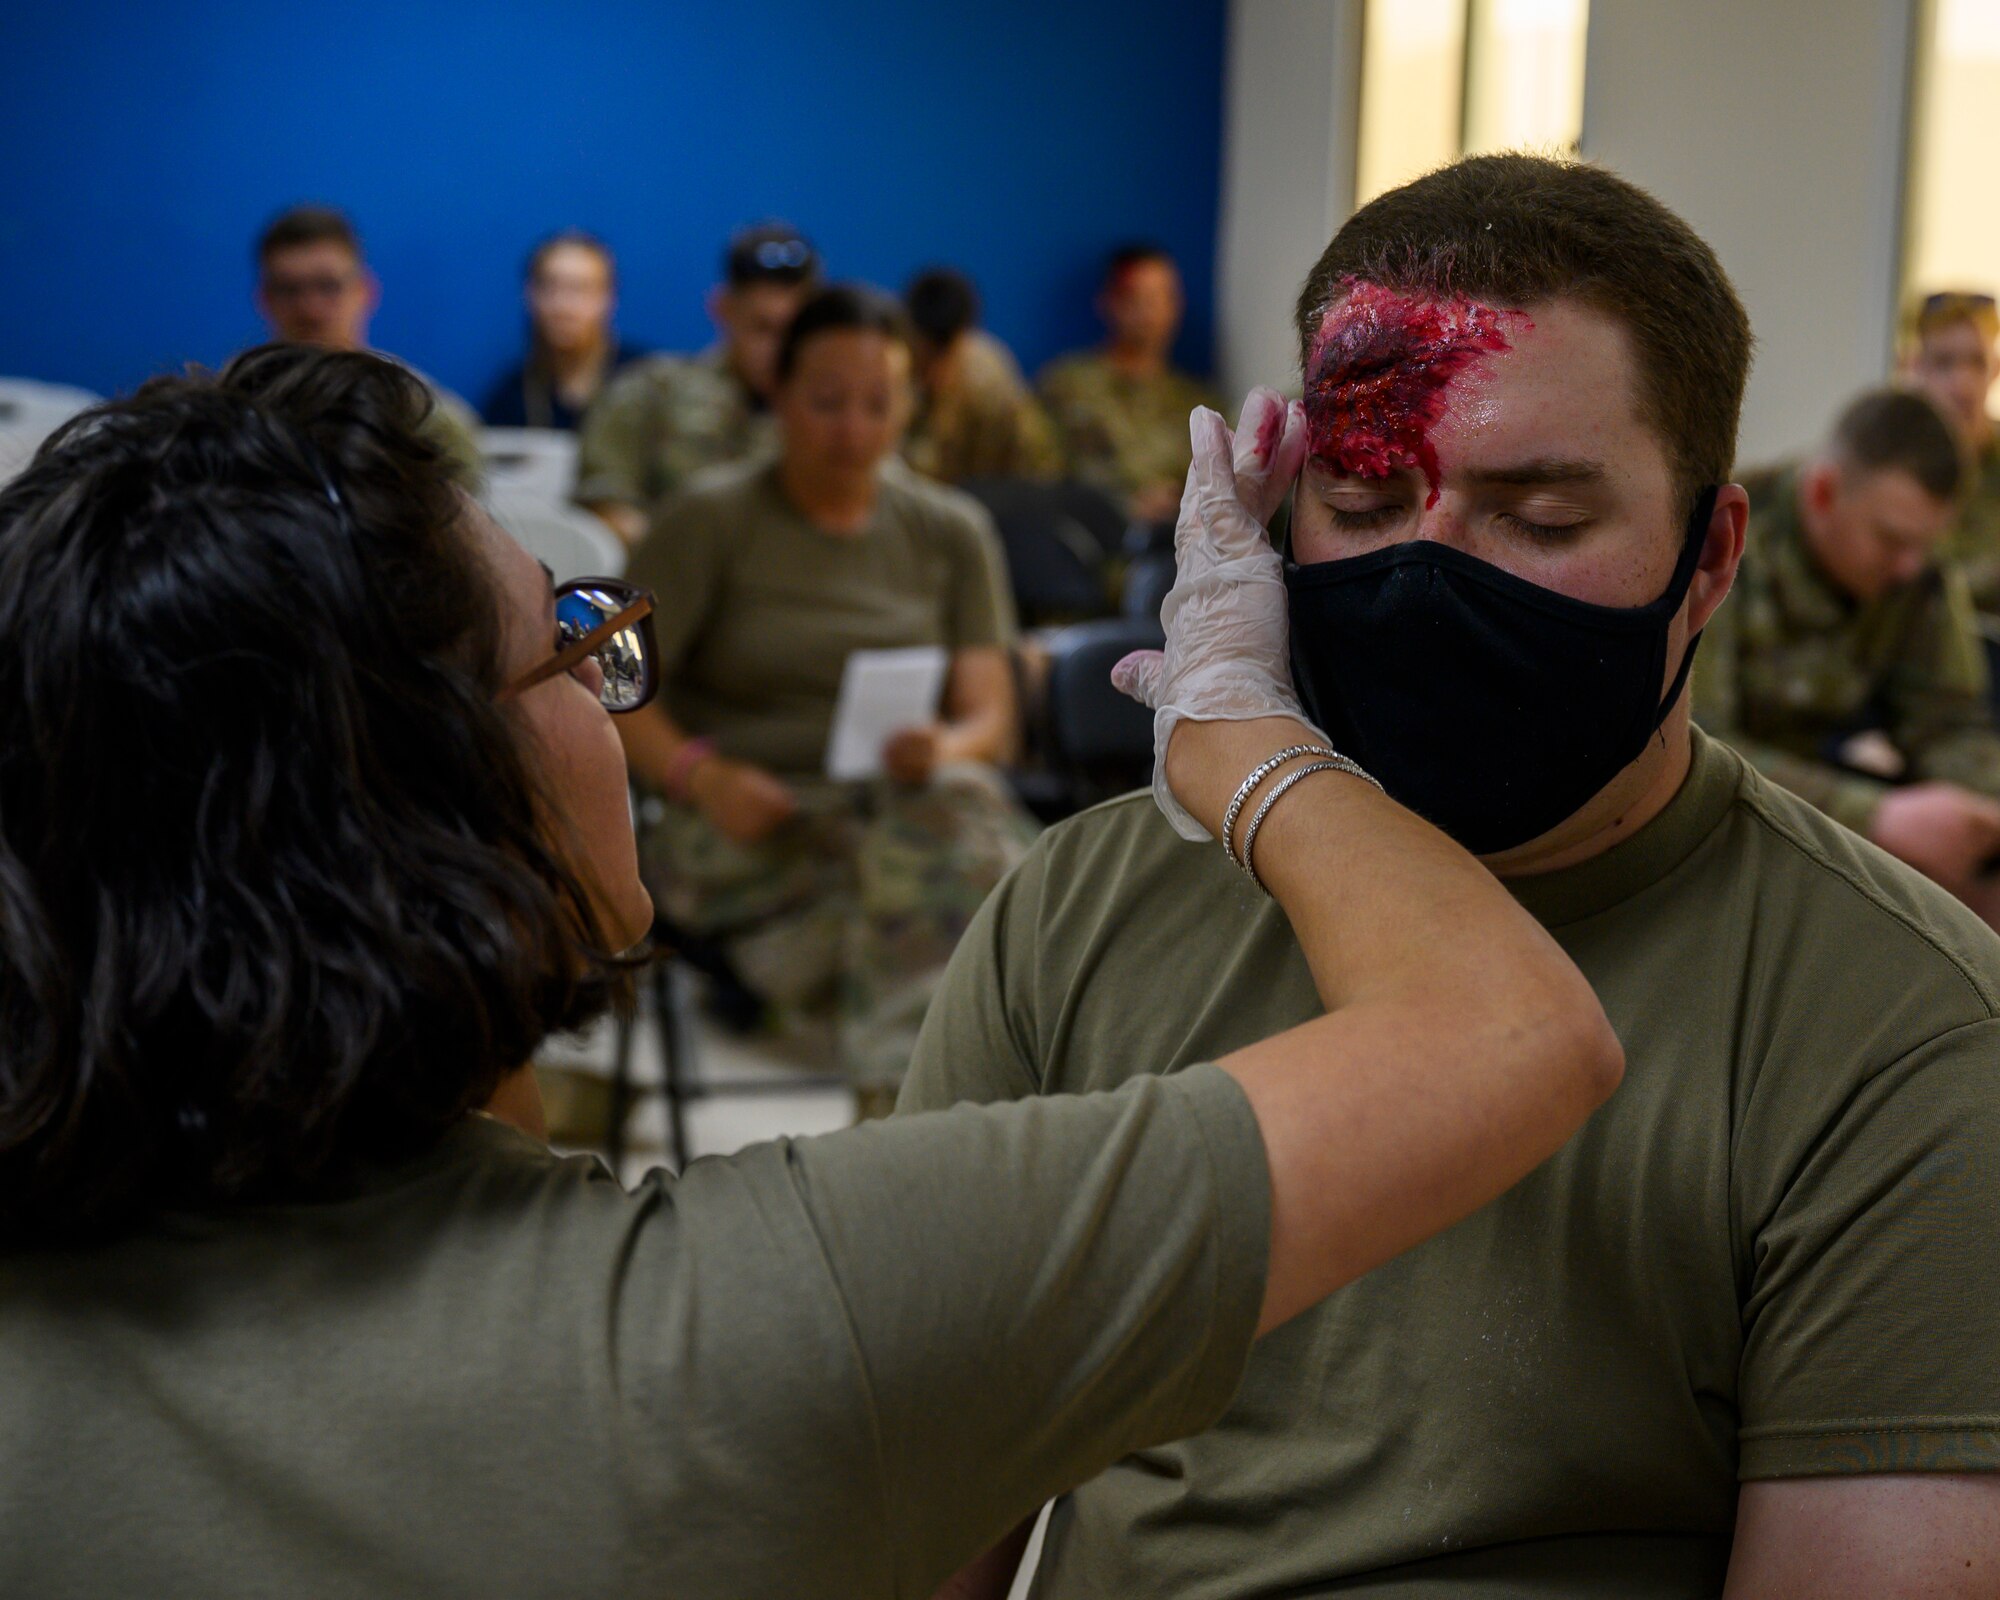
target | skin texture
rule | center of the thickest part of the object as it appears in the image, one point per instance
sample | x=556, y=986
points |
x=320, y=294
x=1956, y=366
x=841, y=413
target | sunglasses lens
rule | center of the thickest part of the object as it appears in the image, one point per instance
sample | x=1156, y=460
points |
x=621, y=658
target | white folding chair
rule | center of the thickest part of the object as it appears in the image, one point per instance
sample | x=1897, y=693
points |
x=29, y=413
x=574, y=543
x=539, y=460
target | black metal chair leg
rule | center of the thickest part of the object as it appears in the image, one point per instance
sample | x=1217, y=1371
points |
x=673, y=1059
x=619, y=1109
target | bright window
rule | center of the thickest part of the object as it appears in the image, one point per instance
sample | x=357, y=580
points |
x=1445, y=78
x=1954, y=223
x=1524, y=86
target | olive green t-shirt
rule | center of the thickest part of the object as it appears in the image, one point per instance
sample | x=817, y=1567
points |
x=824, y=1367
x=1773, y=1253
x=757, y=609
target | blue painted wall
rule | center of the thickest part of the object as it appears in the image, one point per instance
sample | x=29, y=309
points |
x=146, y=143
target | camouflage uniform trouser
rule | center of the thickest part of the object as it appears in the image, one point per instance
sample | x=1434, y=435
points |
x=849, y=912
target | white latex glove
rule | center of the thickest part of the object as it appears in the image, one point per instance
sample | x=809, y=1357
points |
x=1228, y=656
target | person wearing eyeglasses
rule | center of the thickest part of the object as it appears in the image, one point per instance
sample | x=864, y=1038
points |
x=573, y=351
x=315, y=287
x=667, y=418
x=280, y=1313
x=836, y=900
x=1953, y=355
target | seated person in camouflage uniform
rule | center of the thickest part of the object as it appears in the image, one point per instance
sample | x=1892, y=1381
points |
x=1847, y=665
x=975, y=417
x=1741, y=1330
x=830, y=898
x=314, y=287
x=1953, y=358
x=1120, y=411
x=667, y=418
x=573, y=351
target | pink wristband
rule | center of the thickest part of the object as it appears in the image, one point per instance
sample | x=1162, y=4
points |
x=681, y=767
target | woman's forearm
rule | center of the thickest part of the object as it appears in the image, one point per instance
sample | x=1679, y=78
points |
x=1461, y=1047
x=653, y=743
x=981, y=719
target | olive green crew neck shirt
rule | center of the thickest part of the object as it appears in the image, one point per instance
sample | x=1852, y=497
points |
x=756, y=609
x=1772, y=1253
x=826, y=1367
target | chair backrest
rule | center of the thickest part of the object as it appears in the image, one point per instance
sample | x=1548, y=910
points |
x=29, y=413
x=1095, y=733
x=1101, y=516
x=1147, y=581
x=538, y=460
x=1053, y=563
x=573, y=542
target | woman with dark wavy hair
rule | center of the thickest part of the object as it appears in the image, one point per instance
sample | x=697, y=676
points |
x=313, y=825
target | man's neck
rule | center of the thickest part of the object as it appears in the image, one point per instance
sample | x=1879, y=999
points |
x=1618, y=810
x=578, y=368
x=835, y=502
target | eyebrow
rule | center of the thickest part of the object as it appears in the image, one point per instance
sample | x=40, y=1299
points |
x=1540, y=471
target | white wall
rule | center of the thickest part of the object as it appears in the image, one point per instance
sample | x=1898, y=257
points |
x=1287, y=174
x=1776, y=127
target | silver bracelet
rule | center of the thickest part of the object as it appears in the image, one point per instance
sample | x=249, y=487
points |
x=1334, y=763
x=1249, y=787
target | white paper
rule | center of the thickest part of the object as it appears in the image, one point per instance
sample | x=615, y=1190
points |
x=881, y=692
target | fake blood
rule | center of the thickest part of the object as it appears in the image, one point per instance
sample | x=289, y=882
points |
x=1379, y=372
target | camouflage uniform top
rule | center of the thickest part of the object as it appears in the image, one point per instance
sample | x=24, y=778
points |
x=1974, y=541
x=1791, y=666
x=1121, y=433
x=661, y=421
x=986, y=426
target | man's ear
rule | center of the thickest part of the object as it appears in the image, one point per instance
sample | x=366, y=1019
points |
x=1819, y=485
x=1721, y=554
x=718, y=307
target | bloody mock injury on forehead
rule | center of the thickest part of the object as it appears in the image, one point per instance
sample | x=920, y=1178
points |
x=1378, y=376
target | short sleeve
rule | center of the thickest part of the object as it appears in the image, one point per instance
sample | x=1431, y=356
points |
x=1873, y=1317
x=856, y=1361
x=981, y=603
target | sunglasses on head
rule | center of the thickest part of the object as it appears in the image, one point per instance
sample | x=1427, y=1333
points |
x=611, y=621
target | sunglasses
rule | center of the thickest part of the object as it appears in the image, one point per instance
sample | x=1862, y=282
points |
x=610, y=621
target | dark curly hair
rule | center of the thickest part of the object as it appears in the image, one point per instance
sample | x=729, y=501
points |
x=273, y=896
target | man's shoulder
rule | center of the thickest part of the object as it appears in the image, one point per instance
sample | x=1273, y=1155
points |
x=1095, y=866
x=664, y=377
x=1077, y=371
x=1871, y=919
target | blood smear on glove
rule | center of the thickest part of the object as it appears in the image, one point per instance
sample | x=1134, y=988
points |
x=1376, y=385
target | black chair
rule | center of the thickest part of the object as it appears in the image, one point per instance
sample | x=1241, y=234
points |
x=1055, y=566
x=1147, y=581
x=1100, y=515
x=1098, y=742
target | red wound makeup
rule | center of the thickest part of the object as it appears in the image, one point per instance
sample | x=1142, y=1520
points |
x=1380, y=373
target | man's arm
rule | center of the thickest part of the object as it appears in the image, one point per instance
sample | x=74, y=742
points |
x=613, y=470
x=1860, y=1538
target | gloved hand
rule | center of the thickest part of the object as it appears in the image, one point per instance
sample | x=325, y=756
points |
x=1228, y=653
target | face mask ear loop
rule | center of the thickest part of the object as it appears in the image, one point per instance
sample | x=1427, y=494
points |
x=1683, y=579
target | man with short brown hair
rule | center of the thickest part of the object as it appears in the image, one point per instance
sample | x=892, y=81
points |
x=1742, y=1329
x=315, y=287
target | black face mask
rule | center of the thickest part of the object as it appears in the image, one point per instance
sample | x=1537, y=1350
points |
x=1488, y=705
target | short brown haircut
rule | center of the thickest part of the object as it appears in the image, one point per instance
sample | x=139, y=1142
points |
x=306, y=225
x=1518, y=230
x=1892, y=430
